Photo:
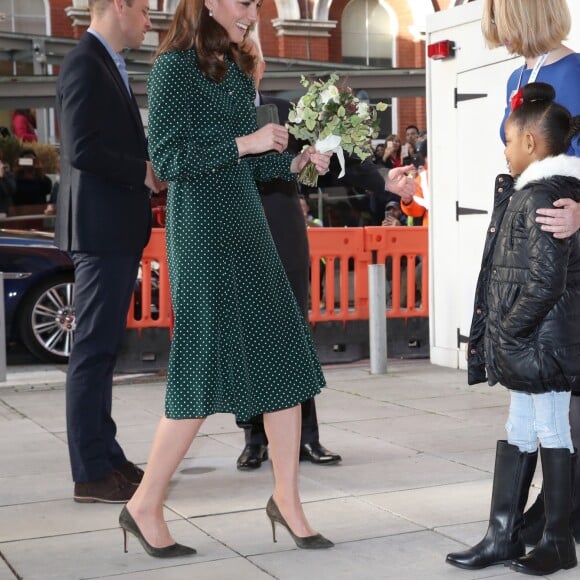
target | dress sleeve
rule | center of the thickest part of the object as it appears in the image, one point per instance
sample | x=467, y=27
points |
x=272, y=166
x=175, y=154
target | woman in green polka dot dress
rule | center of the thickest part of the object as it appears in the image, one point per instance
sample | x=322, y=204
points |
x=240, y=344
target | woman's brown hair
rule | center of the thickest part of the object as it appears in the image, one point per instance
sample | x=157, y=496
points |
x=530, y=27
x=193, y=27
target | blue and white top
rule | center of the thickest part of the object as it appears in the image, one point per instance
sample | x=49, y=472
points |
x=564, y=76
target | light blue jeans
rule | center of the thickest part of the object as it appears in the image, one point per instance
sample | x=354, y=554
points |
x=544, y=417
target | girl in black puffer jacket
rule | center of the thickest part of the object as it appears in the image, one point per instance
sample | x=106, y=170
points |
x=528, y=314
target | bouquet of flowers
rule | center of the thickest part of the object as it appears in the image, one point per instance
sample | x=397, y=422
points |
x=331, y=118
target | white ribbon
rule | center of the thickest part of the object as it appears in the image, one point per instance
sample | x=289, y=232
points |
x=332, y=143
x=425, y=200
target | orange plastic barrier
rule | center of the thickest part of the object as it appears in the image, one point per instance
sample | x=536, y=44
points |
x=404, y=251
x=338, y=264
x=348, y=252
x=151, y=304
x=339, y=260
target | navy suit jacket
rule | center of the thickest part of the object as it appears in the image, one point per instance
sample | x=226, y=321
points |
x=103, y=205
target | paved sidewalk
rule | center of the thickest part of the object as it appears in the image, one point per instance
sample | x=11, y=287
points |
x=418, y=447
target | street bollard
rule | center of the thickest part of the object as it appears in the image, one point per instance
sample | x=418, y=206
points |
x=377, y=319
x=2, y=331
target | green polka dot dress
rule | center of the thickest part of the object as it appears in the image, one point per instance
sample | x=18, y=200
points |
x=240, y=343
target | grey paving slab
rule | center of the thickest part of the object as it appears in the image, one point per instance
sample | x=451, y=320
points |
x=496, y=415
x=341, y=520
x=394, y=389
x=23, y=489
x=204, y=486
x=437, y=506
x=219, y=424
x=100, y=553
x=336, y=406
x=7, y=413
x=418, y=452
x=412, y=556
x=35, y=377
x=5, y=572
x=57, y=518
x=417, y=471
x=462, y=401
x=238, y=568
x=32, y=453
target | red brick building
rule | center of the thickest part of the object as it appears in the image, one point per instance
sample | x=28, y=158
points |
x=384, y=33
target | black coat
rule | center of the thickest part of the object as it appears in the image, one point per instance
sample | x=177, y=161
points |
x=532, y=342
x=103, y=205
x=283, y=210
x=476, y=372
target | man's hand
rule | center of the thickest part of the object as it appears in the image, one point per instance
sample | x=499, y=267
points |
x=400, y=181
x=563, y=221
x=151, y=180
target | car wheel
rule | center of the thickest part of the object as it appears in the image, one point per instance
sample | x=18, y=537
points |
x=47, y=319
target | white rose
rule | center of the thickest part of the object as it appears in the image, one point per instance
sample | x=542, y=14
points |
x=299, y=112
x=329, y=94
x=362, y=110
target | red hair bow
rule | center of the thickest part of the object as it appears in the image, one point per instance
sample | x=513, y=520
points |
x=517, y=99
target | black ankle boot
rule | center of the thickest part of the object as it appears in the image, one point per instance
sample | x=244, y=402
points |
x=555, y=550
x=534, y=521
x=511, y=483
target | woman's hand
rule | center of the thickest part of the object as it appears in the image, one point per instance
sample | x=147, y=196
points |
x=563, y=221
x=321, y=161
x=271, y=137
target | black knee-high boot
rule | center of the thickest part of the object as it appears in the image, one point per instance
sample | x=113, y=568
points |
x=534, y=521
x=575, y=432
x=511, y=482
x=556, y=549
x=534, y=518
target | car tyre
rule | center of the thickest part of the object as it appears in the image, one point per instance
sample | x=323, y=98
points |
x=46, y=319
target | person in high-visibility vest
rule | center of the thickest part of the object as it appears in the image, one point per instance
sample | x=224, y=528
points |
x=416, y=206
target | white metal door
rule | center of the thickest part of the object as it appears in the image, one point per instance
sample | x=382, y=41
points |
x=480, y=158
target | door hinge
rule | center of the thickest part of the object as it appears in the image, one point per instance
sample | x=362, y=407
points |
x=461, y=338
x=458, y=97
x=467, y=211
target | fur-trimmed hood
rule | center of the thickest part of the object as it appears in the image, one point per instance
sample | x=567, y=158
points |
x=561, y=165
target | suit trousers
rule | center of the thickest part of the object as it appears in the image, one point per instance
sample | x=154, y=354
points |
x=254, y=428
x=104, y=285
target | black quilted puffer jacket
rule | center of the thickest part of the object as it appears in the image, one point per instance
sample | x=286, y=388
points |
x=532, y=336
x=476, y=372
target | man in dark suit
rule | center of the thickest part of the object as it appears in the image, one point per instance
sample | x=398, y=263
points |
x=104, y=221
x=287, y=225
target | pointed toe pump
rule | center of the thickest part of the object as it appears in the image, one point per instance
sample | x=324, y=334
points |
x=316, y=542
x=128, y=524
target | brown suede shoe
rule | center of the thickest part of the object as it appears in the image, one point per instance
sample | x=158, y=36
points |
x=111, y=489
x=131, y=473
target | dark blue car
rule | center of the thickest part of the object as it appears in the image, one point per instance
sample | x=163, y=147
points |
x=38, y=293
